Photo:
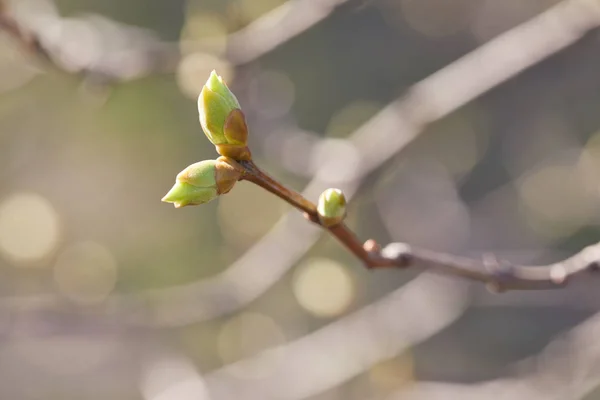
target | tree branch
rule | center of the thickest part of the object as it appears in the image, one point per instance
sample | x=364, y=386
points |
x=138, y=54
x=341, y=231
x=499, y=275
x=371, y=145
x=345, y=348
x=259, y=177
x=28, y=40
x=260, y=37
x=276, y=27
x=567, y=369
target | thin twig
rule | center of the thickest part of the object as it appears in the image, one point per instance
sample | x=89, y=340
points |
x=341, y=231
x=376, y=141
x=259, y=177
x=499, y=275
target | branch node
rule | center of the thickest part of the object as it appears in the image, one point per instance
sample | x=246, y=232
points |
x=501, y=271
x=401, y=253
x=311, y=218
x=558, y=274
x=591, y=255
x=372, y=246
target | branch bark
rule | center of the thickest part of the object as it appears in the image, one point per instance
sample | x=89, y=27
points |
x=498, y=275
x=368, y=148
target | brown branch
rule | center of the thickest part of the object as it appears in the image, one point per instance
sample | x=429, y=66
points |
x=498, y=275
x=376, y=141
x=258, y=177
x=341, y=231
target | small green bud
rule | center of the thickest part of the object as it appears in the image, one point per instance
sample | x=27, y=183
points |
x=331, y=207
x=183, y=194
x=222, y=120
x=203, y=181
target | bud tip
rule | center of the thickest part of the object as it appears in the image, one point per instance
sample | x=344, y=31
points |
x=331, y=207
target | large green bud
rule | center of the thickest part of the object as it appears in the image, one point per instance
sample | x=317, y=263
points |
x=222, y=119
x=203, y=181
x=331, y=207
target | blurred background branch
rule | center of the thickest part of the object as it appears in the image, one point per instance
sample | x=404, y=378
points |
x=146, y=55
x=499, y=275
x=27, y=39
x=566, y=369
x=344, y=163
x=336, y=353
x=239, y=289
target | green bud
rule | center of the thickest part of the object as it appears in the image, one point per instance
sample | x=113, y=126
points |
x=331, y=207
x=183, y=194
x=222, y=119
x=203, y=181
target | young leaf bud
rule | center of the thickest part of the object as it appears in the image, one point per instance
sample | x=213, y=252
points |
x=203, y=181
x=331, y=207
x=222, y=120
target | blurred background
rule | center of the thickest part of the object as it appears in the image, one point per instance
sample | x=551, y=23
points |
x=465, y=126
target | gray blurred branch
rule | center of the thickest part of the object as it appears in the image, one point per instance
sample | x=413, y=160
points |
x=277, y=27
x=91, y=46
x=28, y=40
x=567, y=369
x=367, y=149
x=345, y=348
x=145, y=54
x=498, y=275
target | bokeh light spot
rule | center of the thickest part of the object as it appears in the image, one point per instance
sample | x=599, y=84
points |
x=194, y=69
x=86, y=272
x=557, y=202
x=240, y=224
x=457, y=142
x=350, y=117
x=392, y=374
x=323, y=287
x=206, y=30
x=29, y=227
x=421, y=193
x=252, y=9
x=244, y=336
x=272, y=93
